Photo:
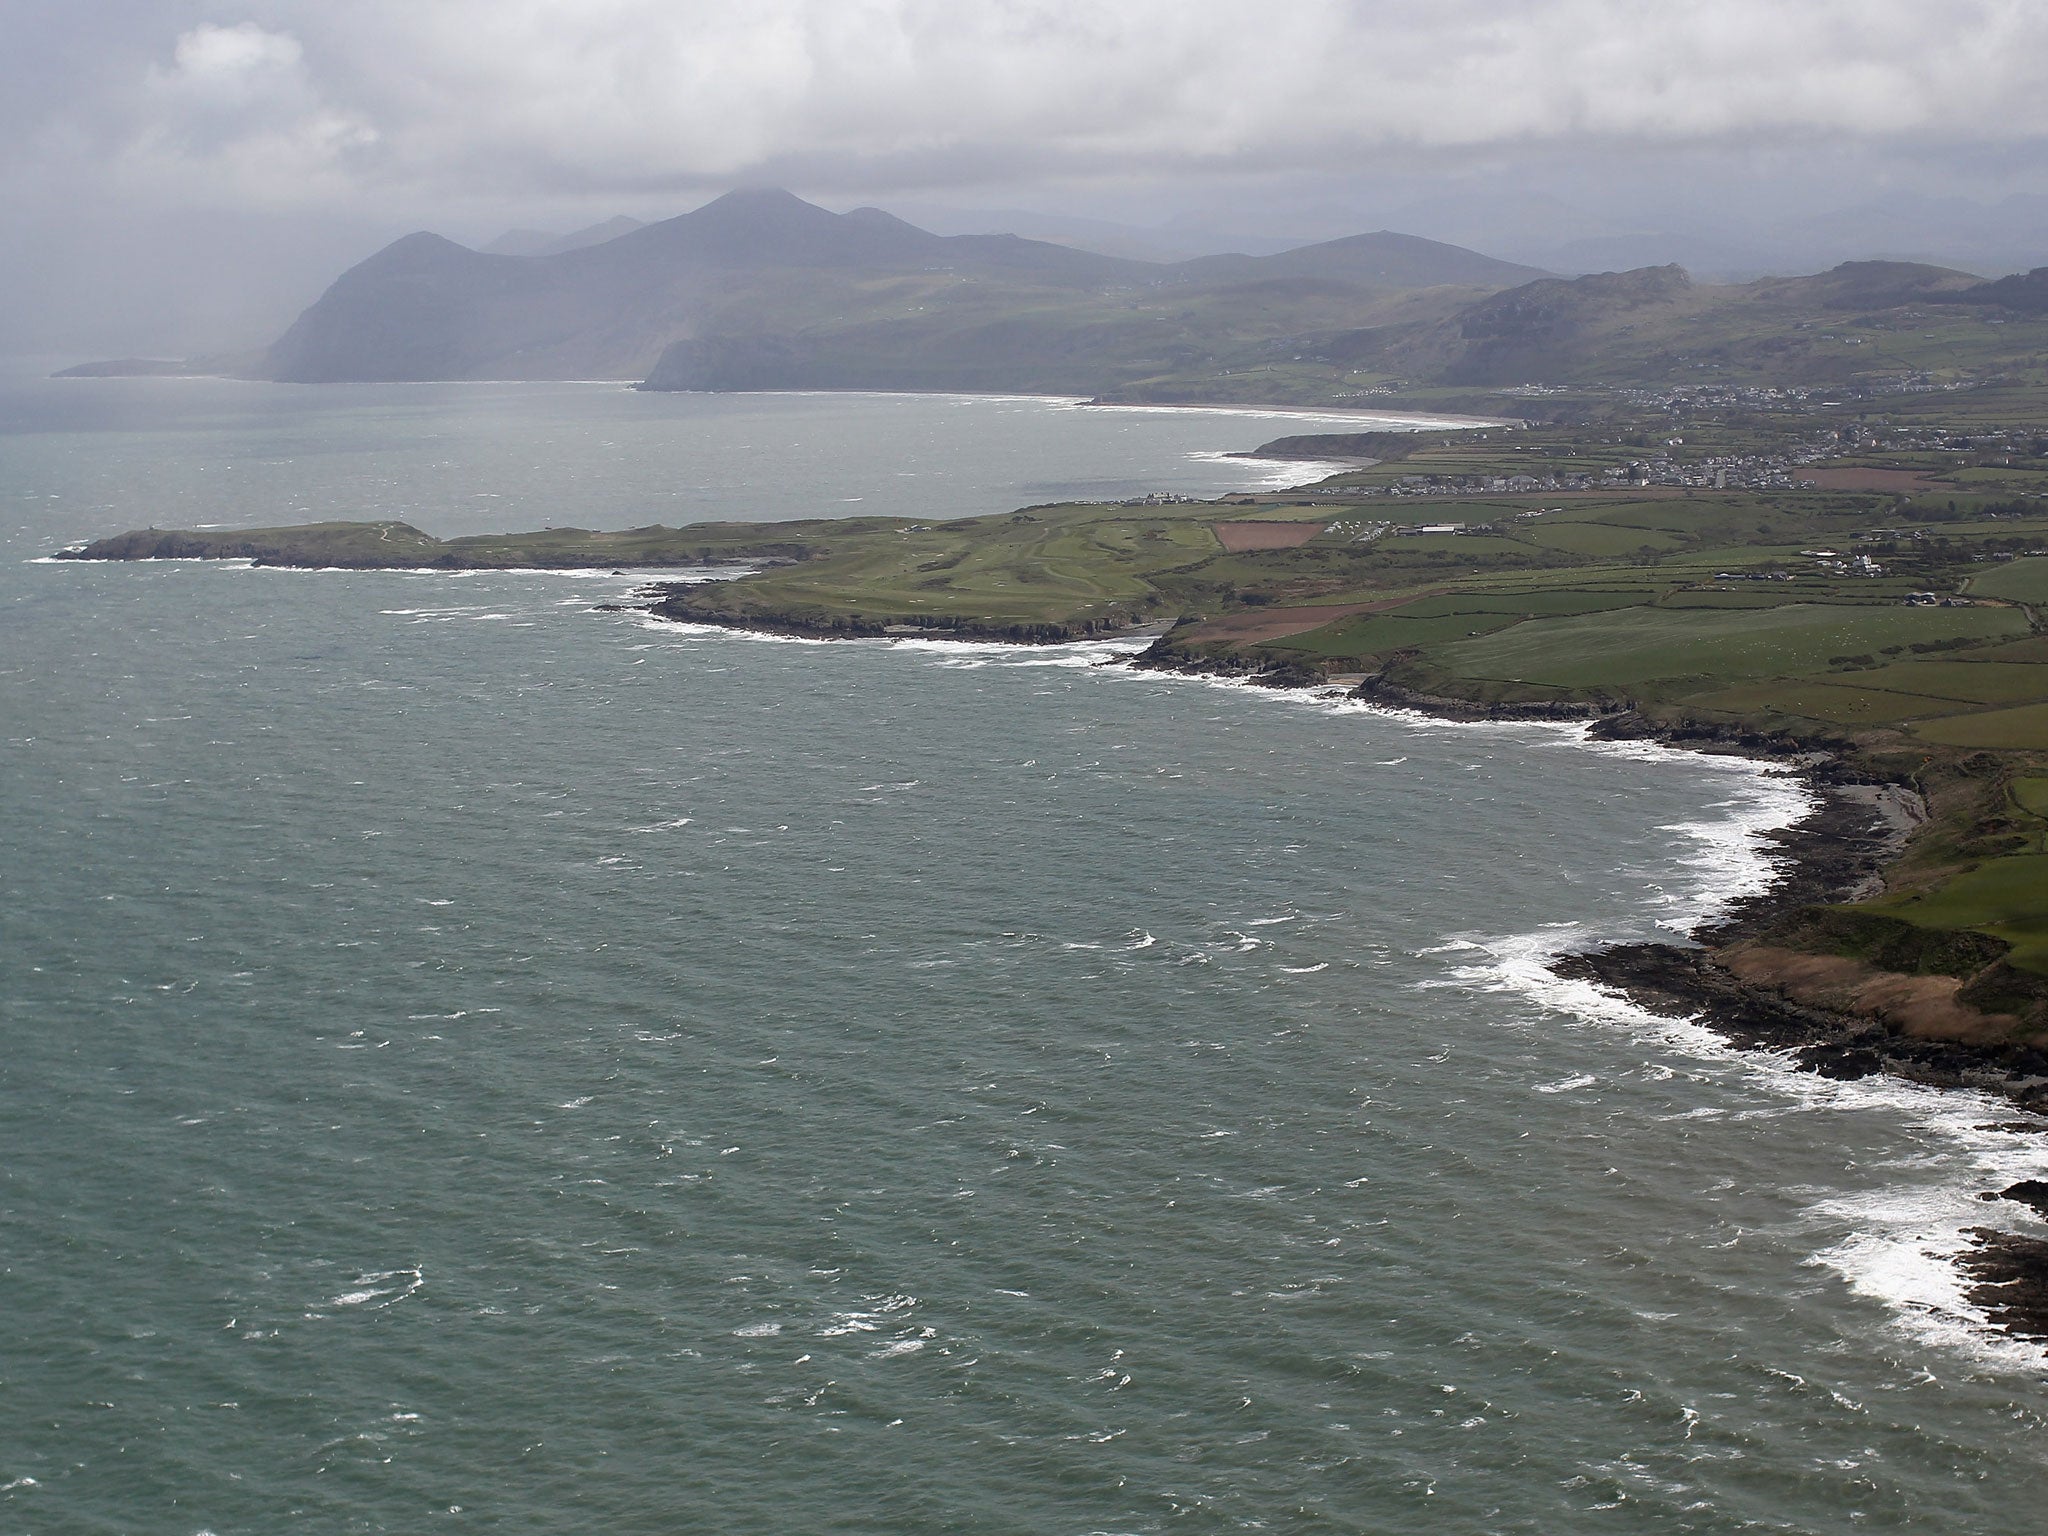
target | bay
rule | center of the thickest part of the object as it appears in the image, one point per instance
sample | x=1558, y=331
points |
x=473, y=1061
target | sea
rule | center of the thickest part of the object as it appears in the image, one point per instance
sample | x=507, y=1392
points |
x=473, y=1060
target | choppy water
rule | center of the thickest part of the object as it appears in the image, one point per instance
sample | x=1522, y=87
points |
x=471, y=1062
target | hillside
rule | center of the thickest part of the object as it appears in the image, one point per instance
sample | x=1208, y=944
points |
x=1861, y=324
x=1381, y=260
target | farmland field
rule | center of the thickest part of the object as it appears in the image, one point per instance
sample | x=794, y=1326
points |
x=2023, y=581
x=1637, y=646
x=1809, y=699
x=2007, y=897
x=2021, y=729
x=1979, y=682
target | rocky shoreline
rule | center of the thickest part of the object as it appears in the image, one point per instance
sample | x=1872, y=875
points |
x=685, y=604
x=1837, y=853
x=1833, y=855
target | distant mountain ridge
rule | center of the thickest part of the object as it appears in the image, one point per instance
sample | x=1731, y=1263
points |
x=1655, y=325
x=760, y=290
x=756, y=281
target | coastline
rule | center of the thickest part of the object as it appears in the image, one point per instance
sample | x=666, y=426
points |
x=659, y=602
x=1855, y=829
x=1839, y=851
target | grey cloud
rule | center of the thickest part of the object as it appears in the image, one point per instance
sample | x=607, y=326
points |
x=376, y=115
x=296, y=99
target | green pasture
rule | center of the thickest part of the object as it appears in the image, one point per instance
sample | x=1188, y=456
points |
x=1525, y=603
x=1470, y=546
x=1053, y=565
x=1967, y=682
x=2021, y=729
x=2006, y=897
x=2019, y=581
x=1809, y=699
x=1441, y=617
x=1599, y=540
x=2032, y=649
x=1690, y=516
x=1381, y=634
x=2031, y=795
x=1639, y=646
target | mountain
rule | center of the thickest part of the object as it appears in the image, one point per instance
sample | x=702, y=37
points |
x=1656, y=326
x=2023, y=292
x=760, y=289
x=1382, y=260
x=1538, y=332
x=1856, y=285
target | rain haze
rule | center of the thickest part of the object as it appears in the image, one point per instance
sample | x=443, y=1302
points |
x=186, y=176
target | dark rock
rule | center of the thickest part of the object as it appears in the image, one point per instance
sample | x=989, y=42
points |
x=1845, y=1062
x=2033, y=1192
x=2012, y=1280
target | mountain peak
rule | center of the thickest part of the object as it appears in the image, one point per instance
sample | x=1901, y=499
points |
x=420, y=251
x=764, y=196
x=768, y=227
x=421, y=242
x=757, y=203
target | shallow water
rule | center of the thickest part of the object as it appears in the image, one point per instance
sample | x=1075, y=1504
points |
x=472, y=1061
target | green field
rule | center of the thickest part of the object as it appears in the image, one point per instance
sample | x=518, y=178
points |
x=1377, y=634
x=2031, y=796
x=1810, y=699
x=1460, y=546
x=1532, y=603
x=2034, y=650
x=2006, y=897
x=1968, y=682
x=2022, y=581
x=1638, y=647
x=1074, y=566
x=2024, y=729
x=1599, y=539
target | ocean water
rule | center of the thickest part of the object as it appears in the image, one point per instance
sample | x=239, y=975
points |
x=472, y=1062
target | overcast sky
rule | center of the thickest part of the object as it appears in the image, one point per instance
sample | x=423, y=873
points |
x=178, y=170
